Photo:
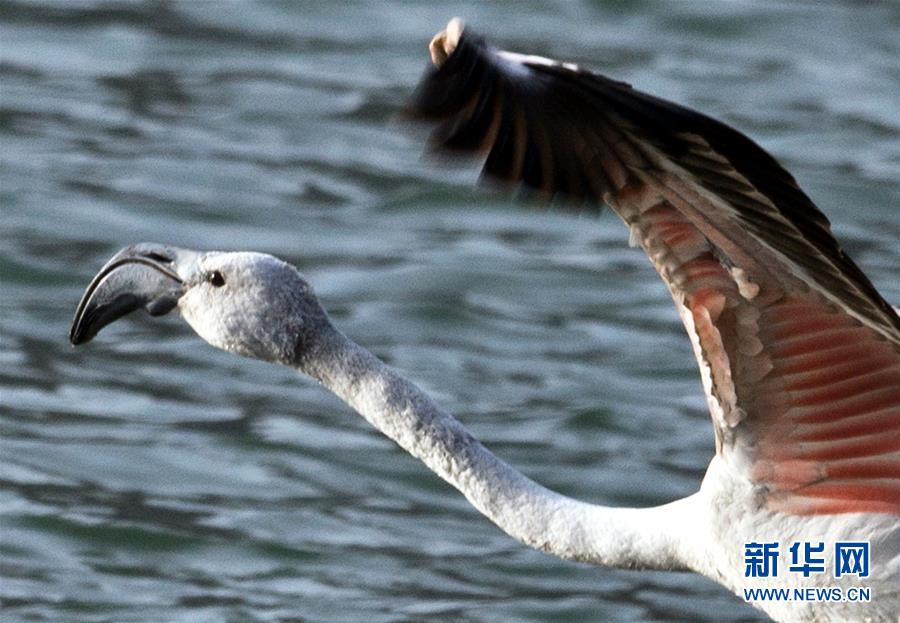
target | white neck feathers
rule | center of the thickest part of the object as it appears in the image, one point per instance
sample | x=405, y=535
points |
x=530, y=513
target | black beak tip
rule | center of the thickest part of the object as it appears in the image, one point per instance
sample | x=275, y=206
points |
x=76, y=337
x=81, y=331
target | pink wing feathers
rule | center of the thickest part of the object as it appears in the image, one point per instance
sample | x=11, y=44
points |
x=800, y=355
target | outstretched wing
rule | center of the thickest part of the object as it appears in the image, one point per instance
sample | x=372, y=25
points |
x=799, y=354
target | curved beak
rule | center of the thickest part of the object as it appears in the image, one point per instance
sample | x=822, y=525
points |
x=148, y=275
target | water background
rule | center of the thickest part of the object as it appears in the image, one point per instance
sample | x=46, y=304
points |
x=148, y=477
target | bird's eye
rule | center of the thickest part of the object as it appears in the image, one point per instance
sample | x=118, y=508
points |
x=215, y=278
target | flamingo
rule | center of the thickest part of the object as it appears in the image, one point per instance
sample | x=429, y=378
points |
x=799, y=355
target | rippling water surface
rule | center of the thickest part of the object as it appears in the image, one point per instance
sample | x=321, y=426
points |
x=148, y=477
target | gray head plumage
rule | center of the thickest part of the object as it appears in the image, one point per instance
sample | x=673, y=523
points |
x=251, y=304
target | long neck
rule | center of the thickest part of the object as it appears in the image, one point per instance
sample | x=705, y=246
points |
x=530, y=513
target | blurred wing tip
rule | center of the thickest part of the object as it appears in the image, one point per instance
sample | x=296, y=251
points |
x=444, y=43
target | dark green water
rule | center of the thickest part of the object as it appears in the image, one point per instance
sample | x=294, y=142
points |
x=147, y=477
